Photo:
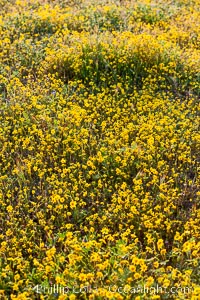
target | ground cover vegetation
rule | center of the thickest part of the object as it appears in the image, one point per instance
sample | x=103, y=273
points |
x=99, y=149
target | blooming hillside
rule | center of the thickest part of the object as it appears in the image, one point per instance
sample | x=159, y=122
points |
x=99, y=149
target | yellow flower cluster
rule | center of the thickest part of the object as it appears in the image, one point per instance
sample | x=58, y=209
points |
x=99, y=149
